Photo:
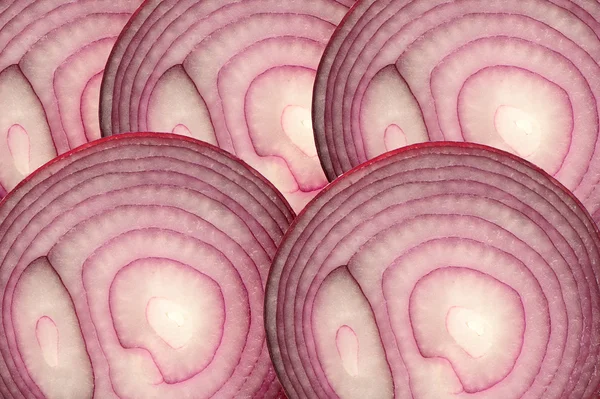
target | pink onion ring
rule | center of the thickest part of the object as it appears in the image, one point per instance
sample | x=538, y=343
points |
x=518, y=75
x=135, y=267
x=237, y=74
x=438, y=271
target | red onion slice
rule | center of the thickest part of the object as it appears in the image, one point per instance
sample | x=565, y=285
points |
x=52, y=56
x=135, y=267
x=438, y=271
x=236, y=74
x=521, y=76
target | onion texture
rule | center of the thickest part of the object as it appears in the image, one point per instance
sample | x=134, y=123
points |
x=519, y=75
x=238, y=74
x=135, y=267
x=438, y=271
x=52, y=56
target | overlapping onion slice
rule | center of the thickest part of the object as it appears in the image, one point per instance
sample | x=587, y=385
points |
x=238, y=74
x=519, y=75
x=52, y=56
x=438, y=271
x=135, y=267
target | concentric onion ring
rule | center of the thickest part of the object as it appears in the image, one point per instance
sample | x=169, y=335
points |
x=135, y=267
x=238, y=74
x=519, y=75
x=438, y=271
x=52, y=56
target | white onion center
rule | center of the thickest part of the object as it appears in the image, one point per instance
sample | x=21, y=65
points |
x=347, y=346
x=518, y=129
x=18, y=144
x=394, y=137
x=468, y=328
x=168, y=319
x=47, y=337
x=297, y=125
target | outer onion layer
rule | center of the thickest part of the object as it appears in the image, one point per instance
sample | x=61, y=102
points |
x=518, y=75
x=135, y=267
x=438, y=271
x=52, y=56
x=238, y=74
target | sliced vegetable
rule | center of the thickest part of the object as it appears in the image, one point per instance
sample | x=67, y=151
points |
x=238, y=74
x=52, y=55
x=522, y=76
x=438, y=271
x=135, y=267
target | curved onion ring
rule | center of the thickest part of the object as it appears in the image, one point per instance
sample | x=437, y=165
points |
x=518, y=75
x=52, y=56
x=438, y=271
x=238, y=74
x=135, y=267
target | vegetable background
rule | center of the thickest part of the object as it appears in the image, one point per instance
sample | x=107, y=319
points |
x=299, y=198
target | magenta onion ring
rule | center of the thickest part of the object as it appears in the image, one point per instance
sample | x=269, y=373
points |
x=438, y=270
x=237, y=74
x=135, y=267
x=518, y=75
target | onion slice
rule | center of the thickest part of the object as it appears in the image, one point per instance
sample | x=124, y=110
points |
x=438, y=271
x=135, y=267
x=518, y=75
x=238, y=74
x=52, y=55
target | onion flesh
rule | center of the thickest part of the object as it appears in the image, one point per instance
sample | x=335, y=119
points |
x=236, y=74
x=438, y=271
x=135, y=267
x=521, y=76
x=52, y=56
